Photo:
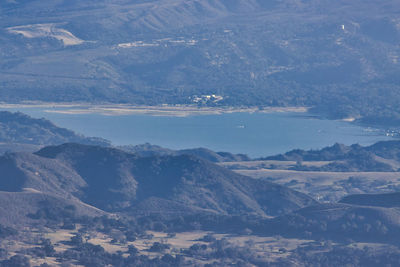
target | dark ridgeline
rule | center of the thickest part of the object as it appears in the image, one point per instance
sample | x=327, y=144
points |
x=204, y=153
x=117, y=180
x=384, y=149
x=354, y=158
x=20, y=132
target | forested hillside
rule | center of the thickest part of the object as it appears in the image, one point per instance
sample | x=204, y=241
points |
x=338, y=57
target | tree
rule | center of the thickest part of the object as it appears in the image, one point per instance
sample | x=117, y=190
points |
x=17, y=260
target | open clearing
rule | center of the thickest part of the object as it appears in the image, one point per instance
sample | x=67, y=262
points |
x=323, y=186
x=47, y=30
x=268, y=247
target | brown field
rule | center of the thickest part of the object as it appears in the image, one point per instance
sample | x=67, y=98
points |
x=323, y=186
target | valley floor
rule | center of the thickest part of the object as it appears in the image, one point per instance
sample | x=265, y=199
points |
x=325, y=186
x=195, y=248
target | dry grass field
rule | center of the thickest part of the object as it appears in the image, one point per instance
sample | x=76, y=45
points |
x=323, y=186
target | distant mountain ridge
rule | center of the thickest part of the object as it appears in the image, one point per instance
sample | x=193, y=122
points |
x=347, y=158
x=112, y=181
x=19, y=131
x=119, y=180
x=204, y=153
x=337, y=57
x=22, y=133
x=60, y=185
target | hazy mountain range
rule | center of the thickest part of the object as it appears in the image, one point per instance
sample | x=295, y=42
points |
x=86, y=200
x=20, y=132
x=340, y=57
x=113, y=180
x=95, y=181
x=71, y=200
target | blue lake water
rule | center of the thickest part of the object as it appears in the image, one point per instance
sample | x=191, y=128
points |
x=255, y=134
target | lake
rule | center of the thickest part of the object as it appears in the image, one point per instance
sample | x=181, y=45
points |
x=255, y=134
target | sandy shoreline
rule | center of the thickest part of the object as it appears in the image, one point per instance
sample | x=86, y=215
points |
x=161, y=110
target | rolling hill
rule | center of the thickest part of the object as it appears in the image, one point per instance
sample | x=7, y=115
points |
x=118, y=180
x=98, y=180
x=204, y=153
x=388, y=200
x=340, y=222
x=20, y=132
x=93, y=201
x=382, y=157
x=31, y=209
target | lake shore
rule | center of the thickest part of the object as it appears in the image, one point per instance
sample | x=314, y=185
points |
x=161, y=110
x=252, y=131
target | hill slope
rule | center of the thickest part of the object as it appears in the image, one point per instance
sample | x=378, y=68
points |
x=337, y=57
x=340, y=222
x=20, y=132
x=204, y=153
x=33, y=209
x=381, y=157
x=388, y=200
x=59, y=181
x=121, y=180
